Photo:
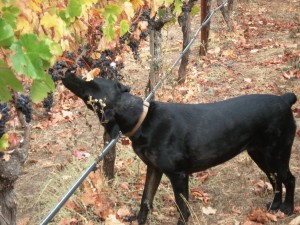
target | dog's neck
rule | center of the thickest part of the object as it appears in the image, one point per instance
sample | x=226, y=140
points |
x=130, y=112
x=140, y=121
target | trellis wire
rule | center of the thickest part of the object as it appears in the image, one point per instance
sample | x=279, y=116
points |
x=93, y=166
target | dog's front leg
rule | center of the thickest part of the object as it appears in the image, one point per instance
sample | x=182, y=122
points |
x=153, y=178
x=180, y=184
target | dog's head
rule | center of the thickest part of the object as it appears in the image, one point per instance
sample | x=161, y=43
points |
x=98, y=93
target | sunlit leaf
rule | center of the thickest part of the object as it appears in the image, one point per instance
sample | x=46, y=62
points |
x=195, y=10
x=129, y=10
x=7, y=78
x=4, y=142
x=30, y=56
x=178, y=4
x=124, y=27
x=53, y=21
x=111, y=11
x=36, y=6
x=10, y=15
x=6, y=34
x=40, y=88
x=137, y=4
x=109, y=32
x=75, y=7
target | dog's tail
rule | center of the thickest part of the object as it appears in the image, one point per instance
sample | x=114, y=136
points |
x=289, y=98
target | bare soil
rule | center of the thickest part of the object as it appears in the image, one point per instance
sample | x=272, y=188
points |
x=260, y=56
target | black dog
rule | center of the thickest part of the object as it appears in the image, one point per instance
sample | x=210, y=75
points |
x=179, y=139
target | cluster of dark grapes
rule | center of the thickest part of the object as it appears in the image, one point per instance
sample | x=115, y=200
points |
x=4, y=111
x=133, y=43
x=24, y=105
x=56, y=71
x=48, y=102
x=109, y=69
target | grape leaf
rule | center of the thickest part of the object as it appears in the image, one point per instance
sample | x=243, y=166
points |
x=195, y=10
x=55, y=22
x=178, y=4
x=109, y=32
x=75, y=8
x=111, y=11
x=10, y=15
x=7, y=78
x=4, y=142
x=124, y=27
x=5, y=95
x=6, y=34
x=31, y=56
x=40, y=88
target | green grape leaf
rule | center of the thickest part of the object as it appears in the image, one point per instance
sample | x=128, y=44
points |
x=195, y=10
x=74, y=8
x=111, y=11
x=178, y=4
x=41, y=87
x=168, y=2
x=5, y=94
x=10, y=15
x=31, y=57
x=8, y=78
x=161, y=12
x=124, y=27
x=109, y=32
x=7, y=36
x=4, y=142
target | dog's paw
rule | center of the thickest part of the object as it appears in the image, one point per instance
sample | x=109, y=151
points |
x=287, y=208
x=274, y=206
x=131, y=219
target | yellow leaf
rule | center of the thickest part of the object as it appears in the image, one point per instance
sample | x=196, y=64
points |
x=4, y=142
x=91, y=74
x=53, y=21
x=35, y=6
x=137, y=4
x=24, y=26
x=227, y=52
x=128, y=8
x=65, y=45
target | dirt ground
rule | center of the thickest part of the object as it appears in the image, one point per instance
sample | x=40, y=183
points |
x=260, y=56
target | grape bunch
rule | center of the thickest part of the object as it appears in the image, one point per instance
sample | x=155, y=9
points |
x=134, y=43
x=4, y=112
x=47, y=103
x=24, y=105
x=56, y=71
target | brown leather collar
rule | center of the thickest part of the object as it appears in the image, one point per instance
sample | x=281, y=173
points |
x=140, y=121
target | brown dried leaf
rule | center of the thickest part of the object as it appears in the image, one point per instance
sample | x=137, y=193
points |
x=123, y=212
x=257, y=215
x=271, y=217
x=209, y=210
x=112, y=220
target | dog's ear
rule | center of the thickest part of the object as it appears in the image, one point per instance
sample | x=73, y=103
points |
x=123, y=88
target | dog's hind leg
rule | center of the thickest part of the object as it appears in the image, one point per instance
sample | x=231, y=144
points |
x=289, y=182
x=180, y=184
x=274, y=161
x=153, y=178
x=259, y=157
